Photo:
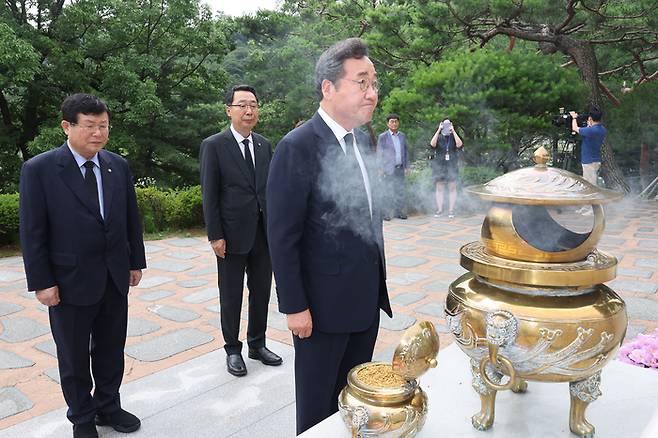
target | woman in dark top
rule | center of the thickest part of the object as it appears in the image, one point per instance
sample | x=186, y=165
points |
x=445, y=143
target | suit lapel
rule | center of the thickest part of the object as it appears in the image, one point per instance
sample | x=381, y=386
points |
x=108, y=179
x=234, y=151
x=72, y=177
x=260, y=154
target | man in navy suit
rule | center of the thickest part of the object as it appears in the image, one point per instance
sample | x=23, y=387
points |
x=234, y=166
x=393, y=161
x=325, y=232
x=82, y=248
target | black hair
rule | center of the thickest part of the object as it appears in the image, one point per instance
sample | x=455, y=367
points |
x=392, y=116
x=595, y=113
x=82, y=103
x=228, y=99
x=330, y=63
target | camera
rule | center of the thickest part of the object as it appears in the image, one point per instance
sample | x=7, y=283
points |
x=564, y=120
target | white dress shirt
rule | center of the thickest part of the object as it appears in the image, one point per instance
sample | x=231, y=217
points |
x=239, y=138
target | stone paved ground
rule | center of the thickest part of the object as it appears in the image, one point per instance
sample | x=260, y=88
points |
x=174, y=314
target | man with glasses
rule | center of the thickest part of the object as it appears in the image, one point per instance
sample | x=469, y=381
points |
x=325, y=232
x=234, y=166
x=393, y=161
x=82, y=248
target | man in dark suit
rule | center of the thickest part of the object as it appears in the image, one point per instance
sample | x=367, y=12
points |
x=82, y=248
x=325, y=232
x=234, y=166
x=393, y=161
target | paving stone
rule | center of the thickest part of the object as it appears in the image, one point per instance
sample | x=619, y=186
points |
x=171, y=265
x=432, y=233
x=405, y=261
x=651, y=235
x=642, y=253
x=173, y=313
x=632, y=331
x=446, y=253
x=385, y=355
x=10, y=360
x=441, y=327
x=645, y=243
x=11, y=261
x=627, y=272
x=418, y=220
x=277, y=320
x=642, y=308
x=403, y=229
x=183, y=242
x=202, y=296
x=438, y=286
x=204, y=271
x=182, y=255
x=20, y=286
x=434, y=309
x=407, y=298
x=451, y=268
x=21, y=329
x=150, y=282
x=406, y=278
x=633, y=286
x=53, y=373
x=168, y=345
x=215, y=323
x=140, y=327
x=192, y=283
x=155, y=295
x=47, y=347
x=394, y=236
x=433, y=243
x=403, y=247
x=152, y=249
x=647, y=263
x=6, y=275
x=7, y=308
x=399, y=322
x=12, y=402
x=646, y=229
x=213, y=307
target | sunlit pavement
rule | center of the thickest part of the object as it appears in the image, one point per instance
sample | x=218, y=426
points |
x=174, y=319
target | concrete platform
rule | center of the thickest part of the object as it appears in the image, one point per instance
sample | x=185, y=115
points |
x=628, y=407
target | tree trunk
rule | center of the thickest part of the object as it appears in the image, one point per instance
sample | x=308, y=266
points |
x=373, y=135
x=584, y=56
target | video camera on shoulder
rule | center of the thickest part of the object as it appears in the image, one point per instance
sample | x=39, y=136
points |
x=564, y=119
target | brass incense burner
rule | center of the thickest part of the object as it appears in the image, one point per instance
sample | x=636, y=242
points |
x=384, y=399
x=533, y=306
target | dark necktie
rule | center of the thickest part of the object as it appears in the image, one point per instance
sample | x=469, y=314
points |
x=349, y=145
x=90, y=185
x=248, y=160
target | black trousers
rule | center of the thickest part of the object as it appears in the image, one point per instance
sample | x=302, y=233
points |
x=256, y=263
x=322, y=363
x=96, y=332
x=396, y=194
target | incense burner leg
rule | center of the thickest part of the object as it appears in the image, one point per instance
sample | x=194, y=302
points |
x=484, y=419
x=583, y=392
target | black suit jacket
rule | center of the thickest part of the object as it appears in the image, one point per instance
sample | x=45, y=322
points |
x=64, y=239
x=327, y=252
x=232, y=203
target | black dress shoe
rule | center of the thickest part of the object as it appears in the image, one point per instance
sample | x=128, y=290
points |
x=266, y=356
x=402, y=216
x=235, y=365
x=121, y=421
x=387, y=218
x=85, y=430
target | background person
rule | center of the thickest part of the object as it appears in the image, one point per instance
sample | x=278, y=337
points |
x=234, y=165
x=445, y=170
x=393, y=161
x=82, y=248
x=325, y=231
x=590, y=150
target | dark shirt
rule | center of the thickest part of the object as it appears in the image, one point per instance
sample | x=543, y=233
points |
x=593, y=137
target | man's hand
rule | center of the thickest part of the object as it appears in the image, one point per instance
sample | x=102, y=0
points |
x=219, y=246
x=301, y=324
x=135, y=277
x=48, y=297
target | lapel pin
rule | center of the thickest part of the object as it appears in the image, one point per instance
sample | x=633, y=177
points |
x=109, y=170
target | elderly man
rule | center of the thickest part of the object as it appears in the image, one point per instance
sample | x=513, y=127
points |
x=83, y=249
x=325, y=232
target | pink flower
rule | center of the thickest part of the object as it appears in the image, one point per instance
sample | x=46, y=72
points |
x=641, y=351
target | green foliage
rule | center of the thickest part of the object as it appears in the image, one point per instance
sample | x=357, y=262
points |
x=470, y=175
x=8, y=218
x=167, y=209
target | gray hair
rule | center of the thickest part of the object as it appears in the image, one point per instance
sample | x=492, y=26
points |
x=330, y=64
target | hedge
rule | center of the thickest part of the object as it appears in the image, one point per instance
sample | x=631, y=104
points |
x=160, y=210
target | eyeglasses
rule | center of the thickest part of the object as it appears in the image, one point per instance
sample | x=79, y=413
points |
x=92, y=128
x=244, y=106
x=364, y=84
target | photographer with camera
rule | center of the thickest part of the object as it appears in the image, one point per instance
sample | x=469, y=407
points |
x=593, y=135
x=445, y=143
